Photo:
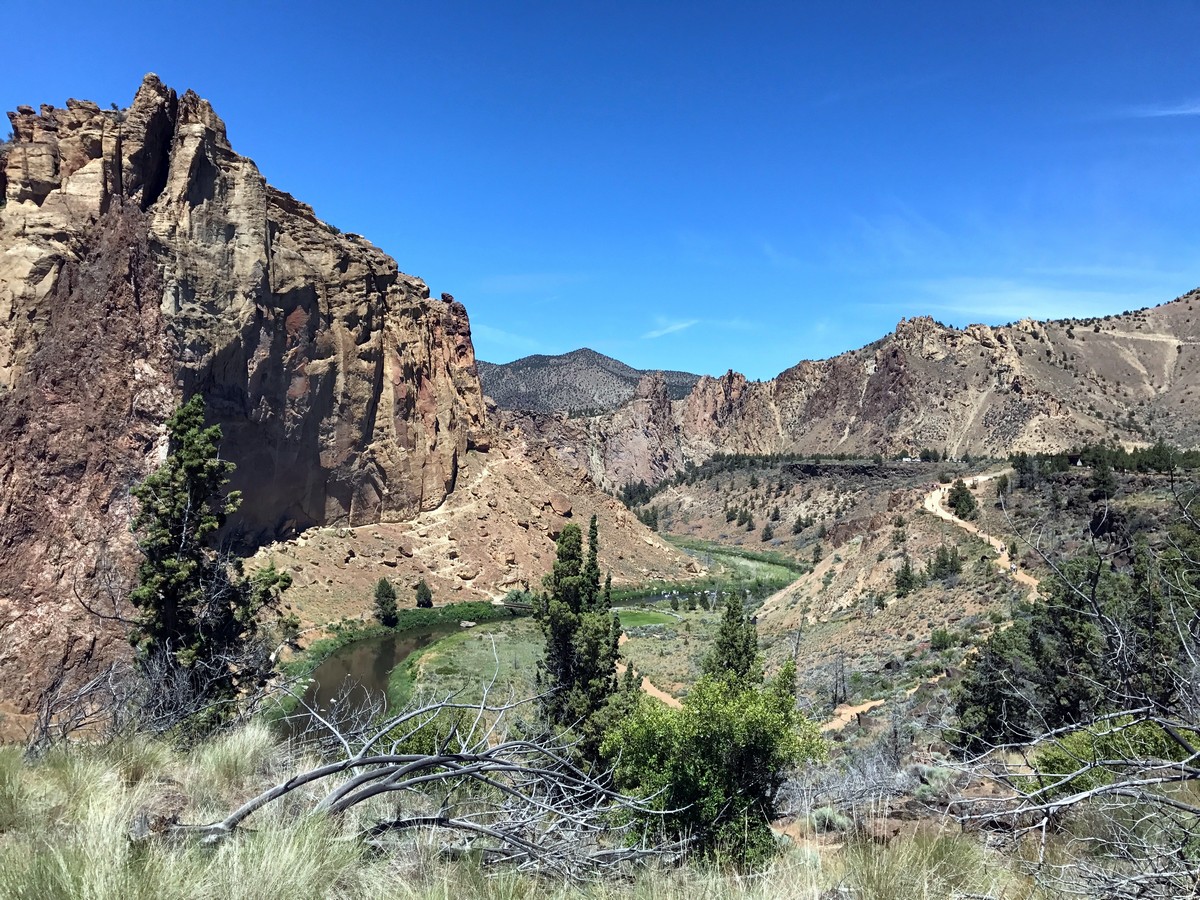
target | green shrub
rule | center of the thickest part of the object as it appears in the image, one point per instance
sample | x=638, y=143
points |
x=716, y=764
x=1118, y=739
x=826, y=818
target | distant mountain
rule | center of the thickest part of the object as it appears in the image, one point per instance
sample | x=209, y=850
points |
x=1132, y=377
x=580, y=381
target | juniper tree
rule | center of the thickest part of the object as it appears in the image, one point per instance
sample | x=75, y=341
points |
x=735, y=648
x=385, y=603
x=198, y=616
x=424, y=595
x=907, y=579
x=581, y=633
x=961, y=500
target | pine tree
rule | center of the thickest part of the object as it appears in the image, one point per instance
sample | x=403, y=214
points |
x=199, y=617
x=907, y=580
x=961, y=500
x=590, y=571
x=385, y=603
x=582, y=634
x=735, y=648
x=424, y=595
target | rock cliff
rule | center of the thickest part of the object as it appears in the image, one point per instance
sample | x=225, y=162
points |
x=142, y=260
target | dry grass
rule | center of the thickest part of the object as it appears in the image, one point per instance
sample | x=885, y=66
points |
x=65, y=832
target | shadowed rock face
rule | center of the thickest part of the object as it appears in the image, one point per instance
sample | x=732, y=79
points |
x=141, y=260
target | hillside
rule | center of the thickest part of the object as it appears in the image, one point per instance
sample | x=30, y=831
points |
x=978, y=391
x=580, y=381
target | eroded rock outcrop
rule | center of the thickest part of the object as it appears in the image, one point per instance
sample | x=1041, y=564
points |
x=981, y=390
x=142, y=259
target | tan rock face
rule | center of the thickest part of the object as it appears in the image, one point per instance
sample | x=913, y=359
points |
x=981, y=390
x=345, y=392
x=142, y=259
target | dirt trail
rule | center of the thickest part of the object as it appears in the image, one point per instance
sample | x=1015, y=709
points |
x=647, y=686
x=935, y=502
x=846, y=713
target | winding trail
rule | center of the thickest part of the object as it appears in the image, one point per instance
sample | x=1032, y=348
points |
x=935, y=502
x=647, y=687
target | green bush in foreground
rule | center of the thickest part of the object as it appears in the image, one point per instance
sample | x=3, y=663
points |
x=717, y=763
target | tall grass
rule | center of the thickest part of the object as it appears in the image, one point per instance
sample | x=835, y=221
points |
x=65, y=832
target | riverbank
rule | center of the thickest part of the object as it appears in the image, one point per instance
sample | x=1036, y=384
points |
x=350, y=632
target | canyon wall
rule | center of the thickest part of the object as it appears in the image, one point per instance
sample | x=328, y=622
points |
x=142, y=260
x=984, y=391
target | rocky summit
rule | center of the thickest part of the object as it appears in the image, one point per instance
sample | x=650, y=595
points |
x=981, y=391
x=143, y=260
x=582, y=381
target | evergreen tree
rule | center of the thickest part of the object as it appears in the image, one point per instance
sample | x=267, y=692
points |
x=198, y=615
x=961, y=500
x=1104, y=483
x=946, y=562
x=993, y=698
x=1100, y=641
x=735, y=648
x=424, y=595
x=581, y=633
x=385, y=603
x=907, y=580
x=590, y=571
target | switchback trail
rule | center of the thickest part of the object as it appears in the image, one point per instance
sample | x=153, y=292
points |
x=935, y=502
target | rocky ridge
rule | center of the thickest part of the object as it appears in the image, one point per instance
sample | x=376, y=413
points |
x=980, y=391
x=572, y=383
x=142, y=260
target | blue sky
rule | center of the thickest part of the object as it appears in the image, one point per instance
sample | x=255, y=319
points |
x=699, y=185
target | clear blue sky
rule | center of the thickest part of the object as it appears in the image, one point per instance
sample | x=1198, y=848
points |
x=699, y=185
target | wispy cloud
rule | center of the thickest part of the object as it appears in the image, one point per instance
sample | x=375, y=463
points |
x=666, y=327
x=1186, y=108
x=899, y=235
